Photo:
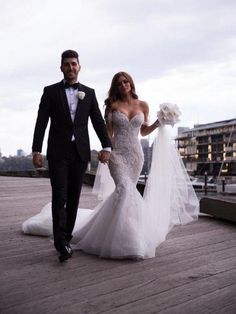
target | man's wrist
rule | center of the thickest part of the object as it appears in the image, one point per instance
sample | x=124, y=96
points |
x=107, y=149
x=36, y=153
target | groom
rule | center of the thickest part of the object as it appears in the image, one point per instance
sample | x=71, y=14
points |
x=69, y=104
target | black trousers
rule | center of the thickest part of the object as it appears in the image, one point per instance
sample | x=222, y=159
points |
x=66, y=177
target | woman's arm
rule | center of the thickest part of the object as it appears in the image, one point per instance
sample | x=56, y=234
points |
x=109, y=124
x=147, y=129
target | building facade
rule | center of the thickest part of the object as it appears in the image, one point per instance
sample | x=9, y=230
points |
x=209, y=148
x=20, y=153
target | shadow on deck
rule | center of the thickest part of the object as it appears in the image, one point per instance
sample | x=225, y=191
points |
x=194, y=270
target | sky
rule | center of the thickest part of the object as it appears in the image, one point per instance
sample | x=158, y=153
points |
x=177, y=51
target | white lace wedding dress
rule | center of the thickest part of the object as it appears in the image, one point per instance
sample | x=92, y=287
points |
x=125, y=224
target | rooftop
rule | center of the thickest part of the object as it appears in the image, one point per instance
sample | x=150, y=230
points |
x=213, y=125
x=207, y=126
x=194, y=270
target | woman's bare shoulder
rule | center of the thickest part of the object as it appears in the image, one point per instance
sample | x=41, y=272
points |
x=114, y=105
x=144, y=106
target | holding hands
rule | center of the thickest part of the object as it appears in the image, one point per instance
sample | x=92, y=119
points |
x=104, y=156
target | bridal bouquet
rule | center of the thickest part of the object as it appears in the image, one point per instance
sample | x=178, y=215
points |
x=168, y=114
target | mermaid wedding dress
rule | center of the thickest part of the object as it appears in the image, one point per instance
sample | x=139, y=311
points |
x=125, y=224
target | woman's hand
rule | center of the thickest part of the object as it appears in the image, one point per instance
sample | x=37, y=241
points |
x=104, y=156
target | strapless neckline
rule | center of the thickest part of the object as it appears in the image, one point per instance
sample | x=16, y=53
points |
x=129, y=119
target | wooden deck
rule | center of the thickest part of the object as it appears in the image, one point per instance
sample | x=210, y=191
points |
x=194, y=270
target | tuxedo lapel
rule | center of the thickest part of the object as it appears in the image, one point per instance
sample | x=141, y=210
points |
x=79, y=103
x=64, y=102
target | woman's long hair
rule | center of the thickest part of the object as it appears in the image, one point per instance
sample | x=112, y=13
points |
x=114, y=94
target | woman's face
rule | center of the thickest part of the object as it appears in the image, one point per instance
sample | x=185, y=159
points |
x=124, y=86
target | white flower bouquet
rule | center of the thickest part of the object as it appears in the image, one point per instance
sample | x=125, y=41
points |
x=168, y=114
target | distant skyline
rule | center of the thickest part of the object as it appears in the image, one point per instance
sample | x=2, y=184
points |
x=179, y=51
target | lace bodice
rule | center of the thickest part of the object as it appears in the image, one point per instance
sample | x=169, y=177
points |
x=121, y=120
x=127, y=154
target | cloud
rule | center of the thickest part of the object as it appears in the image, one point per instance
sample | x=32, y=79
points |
x=180, y=51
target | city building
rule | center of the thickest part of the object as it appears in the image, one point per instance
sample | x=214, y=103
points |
x=209, y=148
x=20, y=153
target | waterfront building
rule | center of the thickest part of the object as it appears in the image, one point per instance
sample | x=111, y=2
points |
x=209, y=148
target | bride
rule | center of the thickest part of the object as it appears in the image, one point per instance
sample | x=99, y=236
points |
x=125, y=224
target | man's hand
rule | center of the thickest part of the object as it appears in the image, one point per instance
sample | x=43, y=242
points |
x=37, y=160
x=104, y=156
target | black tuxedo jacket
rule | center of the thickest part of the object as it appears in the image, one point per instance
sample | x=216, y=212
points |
x=54, y=106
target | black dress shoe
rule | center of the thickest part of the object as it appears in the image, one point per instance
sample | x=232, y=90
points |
x=65, y=254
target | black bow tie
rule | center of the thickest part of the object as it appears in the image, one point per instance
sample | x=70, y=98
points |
x=75, y=85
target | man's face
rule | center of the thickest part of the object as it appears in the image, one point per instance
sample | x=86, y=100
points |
x=70, y=68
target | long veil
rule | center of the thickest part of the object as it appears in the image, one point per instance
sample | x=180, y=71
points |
x=169, y=196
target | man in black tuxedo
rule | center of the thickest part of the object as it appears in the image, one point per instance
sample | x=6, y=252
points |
x=69, y=105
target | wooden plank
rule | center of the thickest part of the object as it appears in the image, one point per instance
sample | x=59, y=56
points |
x=195, y=264
x=147, y=294
x=220, y=301
x=191, y=260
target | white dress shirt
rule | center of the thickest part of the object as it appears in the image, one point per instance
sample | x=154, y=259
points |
x=72, y=98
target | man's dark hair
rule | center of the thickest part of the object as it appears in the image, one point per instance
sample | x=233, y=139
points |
x=69, y=54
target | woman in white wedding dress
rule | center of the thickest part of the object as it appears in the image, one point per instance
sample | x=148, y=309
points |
x=125, y=224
